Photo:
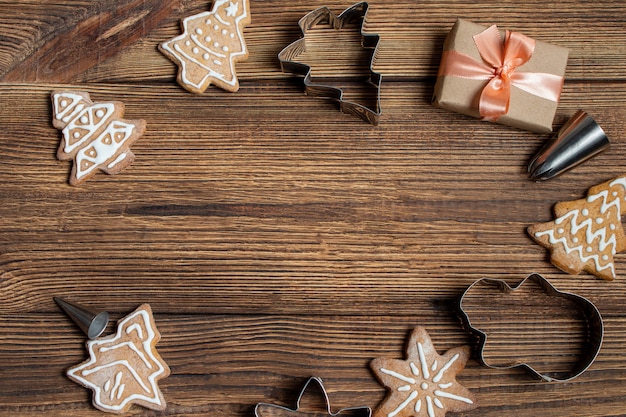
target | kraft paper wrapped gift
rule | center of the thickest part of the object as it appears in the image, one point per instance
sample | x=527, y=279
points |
x=505, y=77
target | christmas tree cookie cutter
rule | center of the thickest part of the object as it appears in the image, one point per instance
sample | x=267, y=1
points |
x=594, y=323
x=288, y=59
x=273, y=410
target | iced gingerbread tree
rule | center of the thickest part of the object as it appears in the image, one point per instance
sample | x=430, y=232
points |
x=587, y=233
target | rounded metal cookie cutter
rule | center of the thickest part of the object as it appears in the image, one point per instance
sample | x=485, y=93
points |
x=595, y=327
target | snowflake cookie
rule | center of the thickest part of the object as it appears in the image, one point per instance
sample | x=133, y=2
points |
x=124, y=368
x=211, y=43
x=423, y=385
x=94, y=134
x=586, y=233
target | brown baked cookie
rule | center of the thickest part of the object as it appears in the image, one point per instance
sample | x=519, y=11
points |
x=94, y=134
x=123, y=369
x=211, y=43
x=423, y=385
x=586, y=233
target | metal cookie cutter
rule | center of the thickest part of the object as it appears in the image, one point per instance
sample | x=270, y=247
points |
x=272, y=410
x=595, y=327
x=323, y=15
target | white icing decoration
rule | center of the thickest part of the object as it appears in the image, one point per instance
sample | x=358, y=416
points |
x=135, y=328
x=173, y=48
x=420, y=350
x=397, y=375
x=108, y=110
x=453, y=396
x=104, y=151
x=85, y=369
x=402, y=405
x=117, y=160
x=444, y=368
x=429, y=406
x=418, y=406
x=404, y=388
x=199, y=31
x=132, y=347
x=438, y=403
x=70, y=103
x=117, y=385
x=205, y=49
x=232, y=9
x=414, y=369
x=424, y=386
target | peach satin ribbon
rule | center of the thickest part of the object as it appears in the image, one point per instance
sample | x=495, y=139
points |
x=500, y=61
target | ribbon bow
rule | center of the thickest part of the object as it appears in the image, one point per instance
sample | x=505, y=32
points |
x=499, y=65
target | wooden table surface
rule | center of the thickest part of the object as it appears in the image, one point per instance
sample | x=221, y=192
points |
x=276, y=238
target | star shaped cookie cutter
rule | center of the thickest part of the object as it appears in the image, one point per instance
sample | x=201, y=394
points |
x=288, y=62
x=595, y=327
x=270, y=410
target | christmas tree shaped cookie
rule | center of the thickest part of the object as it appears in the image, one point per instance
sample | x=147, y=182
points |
x=586, y=233
x=94, y=135
x=423, y=385
x=123, y=369
x=211, y=43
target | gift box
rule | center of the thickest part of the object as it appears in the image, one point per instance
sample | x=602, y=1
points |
x=504, y=77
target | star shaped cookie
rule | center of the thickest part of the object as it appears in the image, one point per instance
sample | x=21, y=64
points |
x=123, y=369
x=423, y=385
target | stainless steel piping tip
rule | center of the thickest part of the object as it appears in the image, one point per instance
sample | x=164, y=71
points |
x=578, y=140
x=90, y=321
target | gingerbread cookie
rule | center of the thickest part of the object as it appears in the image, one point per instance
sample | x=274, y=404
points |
x=211, y=43
x=586, y=233
x=94, y=135
x=425, y=383
x=123, y=369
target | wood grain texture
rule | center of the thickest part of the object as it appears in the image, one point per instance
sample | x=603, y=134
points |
x=274, y=237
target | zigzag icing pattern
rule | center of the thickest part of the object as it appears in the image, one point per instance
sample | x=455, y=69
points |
x=601, y=262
